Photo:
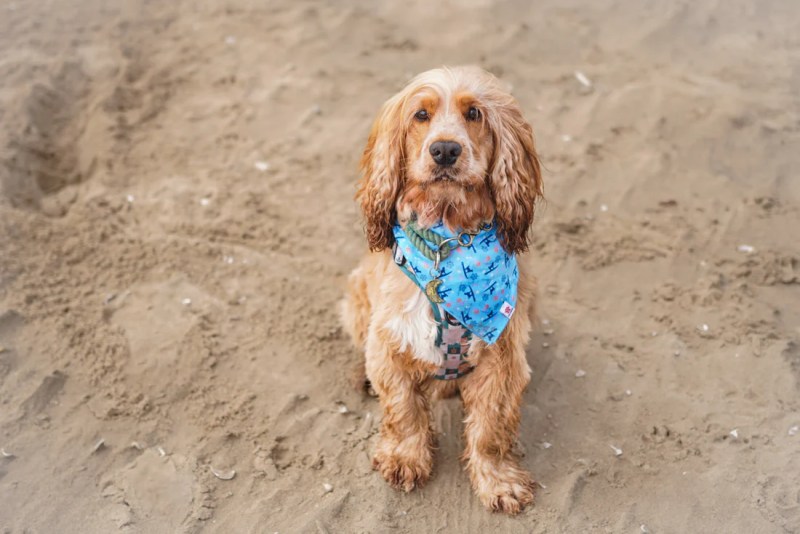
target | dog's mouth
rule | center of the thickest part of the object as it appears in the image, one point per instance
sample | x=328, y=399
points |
x=443, y=176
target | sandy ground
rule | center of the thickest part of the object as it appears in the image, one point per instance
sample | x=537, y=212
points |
x=177, y=224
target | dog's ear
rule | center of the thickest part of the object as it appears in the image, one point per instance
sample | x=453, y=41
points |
x=382, y=174
x=515, y=177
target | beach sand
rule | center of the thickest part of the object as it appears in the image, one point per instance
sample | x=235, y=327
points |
x=177, y=223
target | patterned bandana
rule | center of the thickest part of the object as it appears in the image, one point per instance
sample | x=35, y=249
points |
x=478, y=282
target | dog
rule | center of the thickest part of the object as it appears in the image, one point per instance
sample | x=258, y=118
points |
x=450, y=154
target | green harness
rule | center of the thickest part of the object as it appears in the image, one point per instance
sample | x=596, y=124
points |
x=452, y=338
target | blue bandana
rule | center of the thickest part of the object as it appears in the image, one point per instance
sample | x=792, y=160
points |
x=478, y=282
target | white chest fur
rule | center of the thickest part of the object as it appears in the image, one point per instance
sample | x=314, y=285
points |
x=416, y=330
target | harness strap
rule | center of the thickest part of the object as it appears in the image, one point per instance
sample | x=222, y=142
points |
x=455, y=365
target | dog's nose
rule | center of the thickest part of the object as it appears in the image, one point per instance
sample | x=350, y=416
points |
x=445, y=153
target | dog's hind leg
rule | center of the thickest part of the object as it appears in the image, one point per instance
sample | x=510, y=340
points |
x=354, y=311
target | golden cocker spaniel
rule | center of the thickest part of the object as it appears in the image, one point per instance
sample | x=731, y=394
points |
x=451, y=155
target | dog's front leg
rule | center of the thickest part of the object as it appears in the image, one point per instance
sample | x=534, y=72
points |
x=404, y=455
x=492, y=396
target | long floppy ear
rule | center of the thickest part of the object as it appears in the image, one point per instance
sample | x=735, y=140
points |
x=515, y=178
x=382, y=174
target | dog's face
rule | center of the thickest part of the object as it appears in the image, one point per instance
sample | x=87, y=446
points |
x=451, y=146
x=448, y=142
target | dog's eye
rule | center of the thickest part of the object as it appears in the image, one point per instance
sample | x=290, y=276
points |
x=473, y=114
x=421, y=115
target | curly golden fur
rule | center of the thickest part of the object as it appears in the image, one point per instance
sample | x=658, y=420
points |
x=496, y=176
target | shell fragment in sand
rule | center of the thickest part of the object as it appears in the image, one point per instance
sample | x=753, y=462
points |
x=262, y=166
x=617, y=450
x=223, y=475
x=580, y=373
x=186, y=302
x=130, y=198
x=343, y=409
x=583, y=79
x=7, y=454
x=205, y=201
x=734, y=433
x=327, y=487
x=546, y=444
x=99, y=445
x=747, y=249
x=793, y=430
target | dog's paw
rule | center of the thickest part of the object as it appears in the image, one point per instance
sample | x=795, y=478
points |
x=403, y=473
x=505, y=488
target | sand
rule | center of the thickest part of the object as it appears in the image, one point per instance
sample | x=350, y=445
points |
x=177, y=222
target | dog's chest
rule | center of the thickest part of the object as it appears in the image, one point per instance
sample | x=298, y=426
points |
x=433, y=335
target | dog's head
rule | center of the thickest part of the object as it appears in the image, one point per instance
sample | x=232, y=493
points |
x=452, y=146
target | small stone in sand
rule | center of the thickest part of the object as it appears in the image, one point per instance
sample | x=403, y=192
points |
x=262, y=166
x=545, y=344
x=603, y=207
x=703, y=327
x=130, y=199
x=794, y=430
x=747, y=249
x=7, y=454
x=735, y=433
x=343, y=409
x=546, y=444
x=566, y=138
x=186, y=301
x=223, y=475
x=628, y=392
x=230, y=40
x=99, y=445
x=327, y=487
x=205, y=201
x=617, y=450
x=583, y=79
x=580, y=373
